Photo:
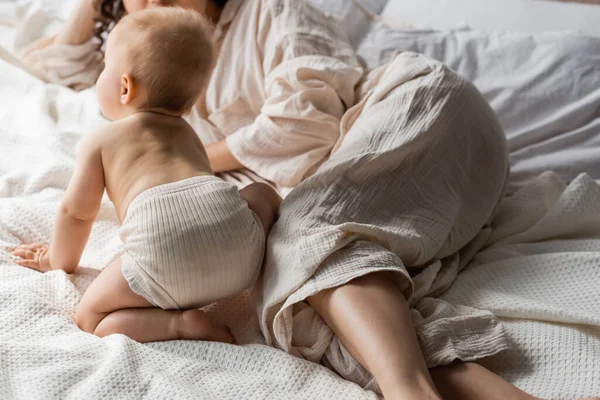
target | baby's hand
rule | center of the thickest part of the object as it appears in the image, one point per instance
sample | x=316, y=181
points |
x=34, y=256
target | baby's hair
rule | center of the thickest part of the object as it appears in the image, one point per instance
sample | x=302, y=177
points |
x=172, y=57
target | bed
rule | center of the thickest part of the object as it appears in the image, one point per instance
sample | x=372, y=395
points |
x=541, y=277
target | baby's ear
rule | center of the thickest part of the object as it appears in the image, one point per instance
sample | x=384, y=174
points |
x=126, y=89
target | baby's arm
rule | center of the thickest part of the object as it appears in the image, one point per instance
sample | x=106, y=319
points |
x=263, y=201
x=79, y=207
x=75, y=215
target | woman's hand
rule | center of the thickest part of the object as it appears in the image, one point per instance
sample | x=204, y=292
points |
x=220, y=157
x=78, y=29
x=38, y=45
x=34, y=256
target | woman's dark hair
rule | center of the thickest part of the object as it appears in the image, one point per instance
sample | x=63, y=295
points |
x=109, y=12
x=220, y=3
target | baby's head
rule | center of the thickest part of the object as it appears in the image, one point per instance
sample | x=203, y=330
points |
x=157, y=59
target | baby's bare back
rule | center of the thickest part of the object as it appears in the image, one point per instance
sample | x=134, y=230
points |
x=146, y=150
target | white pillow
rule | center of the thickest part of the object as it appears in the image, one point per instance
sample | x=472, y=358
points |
x=356, y=16
x=529, y=16
x=545, y=89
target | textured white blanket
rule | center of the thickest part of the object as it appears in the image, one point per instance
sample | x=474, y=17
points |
x=541, y=277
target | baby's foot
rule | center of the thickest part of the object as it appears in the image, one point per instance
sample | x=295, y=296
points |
x=195, y=325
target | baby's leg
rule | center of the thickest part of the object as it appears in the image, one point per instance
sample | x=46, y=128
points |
x=263, y=201
x=110, y=306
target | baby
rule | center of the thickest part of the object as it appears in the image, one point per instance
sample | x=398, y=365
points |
x=189, y=237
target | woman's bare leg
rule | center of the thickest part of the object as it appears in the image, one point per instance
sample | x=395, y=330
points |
x=466, y=381
x=472, y=381
x=110, y=306
x=372, y=319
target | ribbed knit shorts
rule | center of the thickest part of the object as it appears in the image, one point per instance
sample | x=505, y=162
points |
x=190, y=243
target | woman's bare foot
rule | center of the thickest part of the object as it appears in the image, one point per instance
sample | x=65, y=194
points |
x=195, y=325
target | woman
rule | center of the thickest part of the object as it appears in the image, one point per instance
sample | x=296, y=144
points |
x=282, y=88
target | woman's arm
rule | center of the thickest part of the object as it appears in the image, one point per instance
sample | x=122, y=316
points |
x=79, y=27
x=309, y=71
x=70, y=57
x=220, y=157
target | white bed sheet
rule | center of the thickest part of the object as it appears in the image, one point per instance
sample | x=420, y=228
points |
x=532, y=59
